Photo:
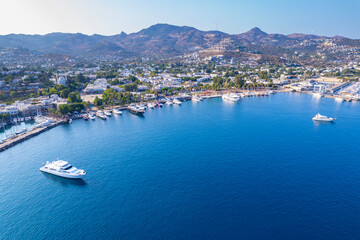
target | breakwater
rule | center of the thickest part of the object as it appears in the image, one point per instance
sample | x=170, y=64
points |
x=27, y=135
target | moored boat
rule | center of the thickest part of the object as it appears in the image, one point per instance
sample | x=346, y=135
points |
x=136, y=110
x=101, y=115
x=117, y=111
x=196, y=98
x=24, y=130
x=177, y=101
x=107, y=113
x=233, y=97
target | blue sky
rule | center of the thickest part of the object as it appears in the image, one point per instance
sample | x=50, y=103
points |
x=331, y=17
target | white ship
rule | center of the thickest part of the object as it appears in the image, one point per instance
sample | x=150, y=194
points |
x=233, y=97
x=322, y=118
x=107, y=113
x=117, y=111
x=318, y=94
x=196, y=98
x=339, y=99
x=101, y=115
x=177, y=101
x=62, y=169
x=151, y=105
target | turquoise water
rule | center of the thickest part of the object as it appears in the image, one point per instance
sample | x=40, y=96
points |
x=256, y=169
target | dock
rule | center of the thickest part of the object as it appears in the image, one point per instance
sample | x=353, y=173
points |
x=27, y=135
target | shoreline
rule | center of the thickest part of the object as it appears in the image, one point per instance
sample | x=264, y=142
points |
x=36, y=131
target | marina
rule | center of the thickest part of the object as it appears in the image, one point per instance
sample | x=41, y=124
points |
x=45, y=123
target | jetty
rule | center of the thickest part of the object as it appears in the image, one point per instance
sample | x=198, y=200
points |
x=27, y=135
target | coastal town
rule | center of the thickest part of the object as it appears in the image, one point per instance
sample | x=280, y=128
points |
x=54, y=95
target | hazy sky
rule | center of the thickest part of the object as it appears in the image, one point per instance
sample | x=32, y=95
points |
x=322, y=17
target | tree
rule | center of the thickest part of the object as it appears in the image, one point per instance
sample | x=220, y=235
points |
x=110, y=96
x=2, y=96
x=98, y=101
x=64, y=93
x=63, y=109
x=239, y=81
x=80, y=78
x=4, y=116
x=130, y=87
x=13, y=94
x=74, y=97
x=132, y=78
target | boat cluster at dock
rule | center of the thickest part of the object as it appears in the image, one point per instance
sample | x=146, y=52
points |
x=234, y=97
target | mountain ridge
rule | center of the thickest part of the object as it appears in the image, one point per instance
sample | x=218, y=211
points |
x=157, y=40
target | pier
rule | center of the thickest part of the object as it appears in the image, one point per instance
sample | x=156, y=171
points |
x=27, y=135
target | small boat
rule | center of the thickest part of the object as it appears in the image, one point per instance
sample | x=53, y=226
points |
x=322, y=118
x=86, y=117
x=70, y=120
x=107, y=113
x=168, y=102
x=318, y=95
x=101, y=115
x=62, y=168
x=8, y=137
x=142, y=106
x=92, y=117
x=136, y=110
x=151, y=105
x=177, y=101
x=117, y=111
x=196, y=98
x=24, y=130
x=339, y=99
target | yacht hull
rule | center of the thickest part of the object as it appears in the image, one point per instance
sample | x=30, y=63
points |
x=60, y=174
x=319, y=120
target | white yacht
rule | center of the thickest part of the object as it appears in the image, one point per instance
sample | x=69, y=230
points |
x=196, y=98
x=100, y=114
x=92, y=117
x=8, y=137
x=40, y=119
x=24, y=130
x=339, y=99
x=62, y=168
x=107, y=113
x=177, y=101
x=233, y=97
x=318, y=94
x=169, y=102
x=117, y=111
x=322, y=118
x=141, y=106
x=151, y=105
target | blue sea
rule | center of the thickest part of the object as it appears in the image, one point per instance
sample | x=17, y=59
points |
x=256, y=169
